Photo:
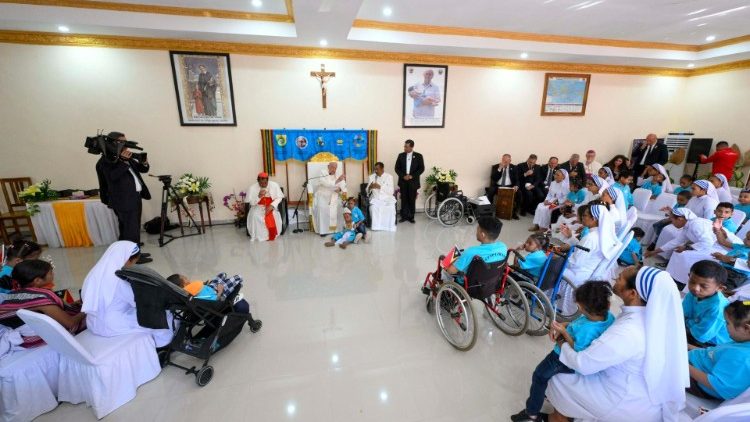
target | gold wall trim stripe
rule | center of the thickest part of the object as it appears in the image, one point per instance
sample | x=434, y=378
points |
x=112, y=41
x=548, y=38
x=289, y=9
x=157, y=9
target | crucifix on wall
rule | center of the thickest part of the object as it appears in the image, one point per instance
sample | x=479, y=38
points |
x=323, y=77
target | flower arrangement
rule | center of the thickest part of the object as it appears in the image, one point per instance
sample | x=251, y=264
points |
x=189, y=185
x=438, y=175
x=37, y=193
x=236, y=204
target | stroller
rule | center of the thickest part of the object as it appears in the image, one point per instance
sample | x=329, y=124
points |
x=203, y=326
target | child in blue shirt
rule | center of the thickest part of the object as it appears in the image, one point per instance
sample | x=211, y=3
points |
x=743, y=203
x=576, y=196
x=735, y=276
x=489, y=249
x=633, y=253
x=685, y=181
x=723, y=214
x=592, y=298
x=624, y=180
x=358, y=218
x=723, y=372
x=704, y=305
x=654, y=185
x=533, y=262
x=346, y=235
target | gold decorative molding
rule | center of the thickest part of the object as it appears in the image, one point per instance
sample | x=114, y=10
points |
x=161, y=10
x=547, y=38
x=113, y=41
x=289, y=9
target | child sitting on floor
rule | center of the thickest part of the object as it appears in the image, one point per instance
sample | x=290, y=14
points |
x=592, y=298
x=723, y=372
x=704, y=305
x=654, y=185
x=723, y=217
x=345, y=236
x=358, y=218
x=217, y=288
x=533, y=262
x=633, y=253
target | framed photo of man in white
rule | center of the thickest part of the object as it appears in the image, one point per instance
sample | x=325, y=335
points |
x=424, y=95
x=203, y=84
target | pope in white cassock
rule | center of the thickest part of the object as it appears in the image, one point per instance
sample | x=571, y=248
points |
x=382, y=201
x=326, y=200
x=263, y=219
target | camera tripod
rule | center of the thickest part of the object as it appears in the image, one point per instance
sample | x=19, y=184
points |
x=167, y=191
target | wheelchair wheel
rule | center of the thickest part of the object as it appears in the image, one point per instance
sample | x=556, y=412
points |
x=450, y=212
x=541, y=312
x=430, y=304
x=431, y=205
x=561, y=315
x=455, y=316
x=509, y=311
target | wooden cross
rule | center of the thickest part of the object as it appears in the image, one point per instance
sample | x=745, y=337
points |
x=323, y=77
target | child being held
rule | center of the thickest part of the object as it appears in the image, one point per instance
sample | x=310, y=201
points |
x=704, y=305
x=723, y=372
x=218, y=288
x=633, y=253
x=345, y=236
x=358, y=218
x=534, y=260
x=592, y=298
x=723, y=217
x=685, y=181
x=573, y=199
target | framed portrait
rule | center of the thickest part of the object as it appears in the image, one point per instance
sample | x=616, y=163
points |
x=424, y=95
x=565, y=94
x=203, y=84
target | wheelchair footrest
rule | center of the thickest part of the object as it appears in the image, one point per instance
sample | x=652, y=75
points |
x=426, y=290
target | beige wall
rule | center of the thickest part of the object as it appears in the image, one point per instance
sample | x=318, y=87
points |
x=52, y=97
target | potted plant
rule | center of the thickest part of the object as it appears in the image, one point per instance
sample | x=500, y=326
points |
x=192, y=188
x=442, y=180
x=236, y=204
x=38, y=192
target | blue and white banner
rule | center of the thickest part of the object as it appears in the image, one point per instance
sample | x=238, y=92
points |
x=301, y=144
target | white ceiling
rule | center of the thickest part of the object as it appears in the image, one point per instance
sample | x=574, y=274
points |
x=332, y=20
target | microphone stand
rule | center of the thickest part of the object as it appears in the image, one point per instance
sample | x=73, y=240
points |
x=296, y=209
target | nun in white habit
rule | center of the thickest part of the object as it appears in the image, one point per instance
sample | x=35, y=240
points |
x=723, y=192
x=558, y=191
x=617, y=208
x=637, y=370
x=688, y=227
x=108, y=300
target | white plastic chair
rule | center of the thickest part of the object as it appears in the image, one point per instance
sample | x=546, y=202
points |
x=742, y=232
x=641, y=198
x=28, y=383
x=103, y=372
x=604, y=269
x=735, y=410
x=661, y=201
x=738, y=217
x=630, y=218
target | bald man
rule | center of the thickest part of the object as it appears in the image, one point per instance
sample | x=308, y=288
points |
x=648, y=153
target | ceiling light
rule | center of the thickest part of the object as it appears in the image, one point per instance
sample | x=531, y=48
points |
x=383, y=396
x=691, y=65
x=387, y=11
x=63, y=28
x=323, y=43
x=291, y=409
x=256, y=3
x=710, y=38
x=593, y=3
x=722, y=13
x=702, y=24
x=696, y=12
x=524, y=55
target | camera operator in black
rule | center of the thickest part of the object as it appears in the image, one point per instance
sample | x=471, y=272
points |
x=122, y=188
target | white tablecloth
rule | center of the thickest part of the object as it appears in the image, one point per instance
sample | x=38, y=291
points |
x=101, y=223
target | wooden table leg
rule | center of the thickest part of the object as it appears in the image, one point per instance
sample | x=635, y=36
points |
x=200, y=209
x=208, y=211
x=179, y=218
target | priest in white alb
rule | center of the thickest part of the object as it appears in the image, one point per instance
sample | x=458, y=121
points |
x=382, y=201
x=263, y=219
x=330, y=184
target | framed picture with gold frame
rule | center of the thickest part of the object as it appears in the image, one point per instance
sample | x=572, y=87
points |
x=203, y=84
x=565, y=94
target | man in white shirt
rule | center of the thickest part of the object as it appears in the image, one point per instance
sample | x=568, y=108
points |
x=426, y=96
x=382, y=202
x=591, y=165
x=326, y=199
x=264, y=220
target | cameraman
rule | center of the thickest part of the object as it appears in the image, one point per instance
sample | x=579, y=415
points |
x=121, y=188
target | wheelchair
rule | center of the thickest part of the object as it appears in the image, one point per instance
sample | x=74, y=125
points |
x=449, y=207
x=504, y=300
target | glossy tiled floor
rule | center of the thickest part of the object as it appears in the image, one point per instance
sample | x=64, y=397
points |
x=345, y=337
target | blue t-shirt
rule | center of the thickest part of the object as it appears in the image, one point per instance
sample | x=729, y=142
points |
x=489, y=252
x=533, y=263
x=7, y=270
x=357, y=215
x=584, y=232
x=743, y=208
x=584, y=331
x=655, y=188
x=705, y=318
x=207, y=293
x=627, y=194
x=633, y=247
x=738, y=251
x=676, y=206
x=728, y=224
x=727, y=367
x=679, y=189
x=576, y=197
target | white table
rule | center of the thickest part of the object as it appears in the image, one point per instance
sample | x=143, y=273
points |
x=101, y=223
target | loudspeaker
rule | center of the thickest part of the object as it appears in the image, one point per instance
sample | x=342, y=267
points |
x=698, y=147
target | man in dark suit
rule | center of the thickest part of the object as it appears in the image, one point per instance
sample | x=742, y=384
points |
x=527, y=174
x=409, y=166
x=504, y=175
x=545, y=176
x=648, y=153
x=121, y=188
x=575, y=169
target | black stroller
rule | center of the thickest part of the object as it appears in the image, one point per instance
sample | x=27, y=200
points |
x=204, y=326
